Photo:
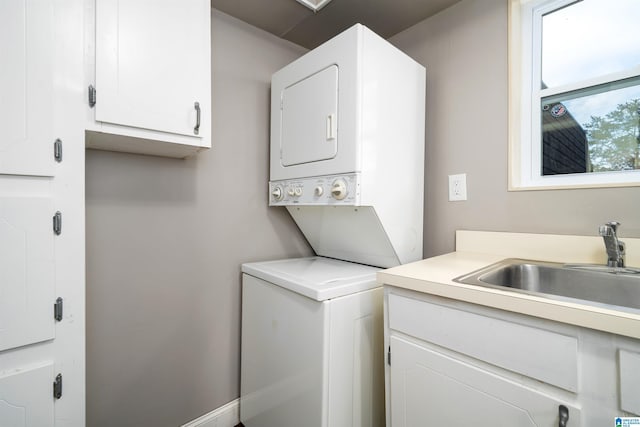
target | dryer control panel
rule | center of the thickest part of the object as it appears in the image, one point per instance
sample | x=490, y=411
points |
x=343, y=189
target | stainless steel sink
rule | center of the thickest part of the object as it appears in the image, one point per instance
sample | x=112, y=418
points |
x=599, y=285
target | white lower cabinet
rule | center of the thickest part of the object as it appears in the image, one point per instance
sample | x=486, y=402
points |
x=454, y=363
x=429, y=388
x=25, y=397
x=27, y=271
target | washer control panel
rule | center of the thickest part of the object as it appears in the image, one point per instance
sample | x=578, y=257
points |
x=320, y=190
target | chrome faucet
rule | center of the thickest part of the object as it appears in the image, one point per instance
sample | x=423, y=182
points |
x=615, y=248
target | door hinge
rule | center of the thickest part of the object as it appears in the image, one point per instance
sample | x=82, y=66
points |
x=57, y=223
x=57, y=150
x=57, y=387
x=389, y=356
x=92, y=96
x=57, y=309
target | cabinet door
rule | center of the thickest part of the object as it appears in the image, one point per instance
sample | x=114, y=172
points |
x=26, y=87
x=26, y=271
x=26, y=398
x=429, y=388
x=150, y=66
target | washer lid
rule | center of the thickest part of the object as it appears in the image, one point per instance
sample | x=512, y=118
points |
x=318, y=278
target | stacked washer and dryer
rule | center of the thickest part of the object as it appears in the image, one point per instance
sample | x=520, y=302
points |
x=347, y=162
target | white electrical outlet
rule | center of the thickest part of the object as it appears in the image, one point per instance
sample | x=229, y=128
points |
x=458, y=187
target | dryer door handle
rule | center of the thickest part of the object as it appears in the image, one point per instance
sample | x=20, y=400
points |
x=331, y=127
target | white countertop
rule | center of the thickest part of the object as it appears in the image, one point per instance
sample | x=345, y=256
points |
x=435, y=276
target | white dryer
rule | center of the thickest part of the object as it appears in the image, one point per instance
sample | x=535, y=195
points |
x=312, y=344
x=347, y=148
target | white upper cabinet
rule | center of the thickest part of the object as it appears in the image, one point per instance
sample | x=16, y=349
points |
x=26, y=88
x=152, y=76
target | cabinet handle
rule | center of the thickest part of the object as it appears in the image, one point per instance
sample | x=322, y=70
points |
x=196, y=130
x=563, y=415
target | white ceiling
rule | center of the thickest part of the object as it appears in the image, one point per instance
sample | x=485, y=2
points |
x=292, y=21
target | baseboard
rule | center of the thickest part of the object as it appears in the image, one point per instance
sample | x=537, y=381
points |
x=225, y=416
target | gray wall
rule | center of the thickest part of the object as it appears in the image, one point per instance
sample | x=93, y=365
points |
x=464, y=50
x=165, y=240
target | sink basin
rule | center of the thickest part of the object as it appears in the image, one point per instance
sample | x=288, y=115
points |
x=599, y=285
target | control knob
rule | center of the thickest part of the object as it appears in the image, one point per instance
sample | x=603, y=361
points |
x=277, y=193
x=318, y=191
x=339, y=189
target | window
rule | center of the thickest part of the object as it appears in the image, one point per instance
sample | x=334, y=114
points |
x=574, y=93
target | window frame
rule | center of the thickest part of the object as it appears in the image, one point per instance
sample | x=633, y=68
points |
x=525, y=95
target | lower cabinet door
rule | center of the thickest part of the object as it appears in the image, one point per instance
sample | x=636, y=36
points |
x=27, y=271
x=429, y=388
x=26, y=397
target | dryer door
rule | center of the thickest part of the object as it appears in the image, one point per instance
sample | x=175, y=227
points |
x=309, y=114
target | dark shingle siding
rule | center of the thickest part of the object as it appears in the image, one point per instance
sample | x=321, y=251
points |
x=564, y=145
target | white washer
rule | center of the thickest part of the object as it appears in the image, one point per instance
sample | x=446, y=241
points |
x=312, y=345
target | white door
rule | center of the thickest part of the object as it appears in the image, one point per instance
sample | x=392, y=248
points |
x=149, y=70
x=26, y=87
x=309, y=115
x=26, y=398
x=429, y=388
x=26, y=271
